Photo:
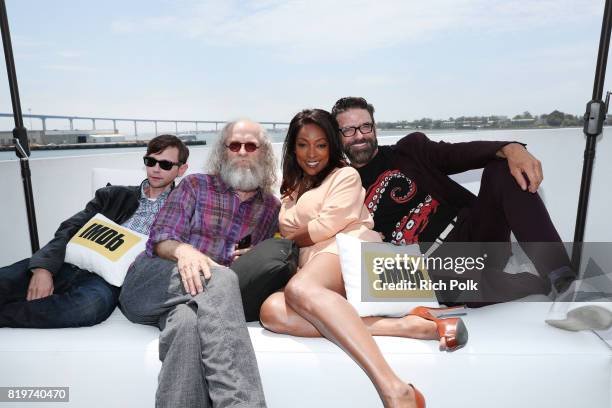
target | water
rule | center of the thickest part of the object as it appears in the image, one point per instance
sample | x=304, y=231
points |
x=387, y=136
x=277, y=136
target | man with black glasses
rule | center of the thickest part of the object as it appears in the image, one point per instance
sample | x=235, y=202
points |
x=183, y=285
x=45, y=292
x=413, y=200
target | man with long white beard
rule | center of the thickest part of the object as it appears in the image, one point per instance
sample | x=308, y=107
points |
x=183, y=285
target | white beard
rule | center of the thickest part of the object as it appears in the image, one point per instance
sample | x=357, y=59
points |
x=241, y=177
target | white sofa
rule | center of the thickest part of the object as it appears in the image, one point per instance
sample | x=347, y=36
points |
x=513, y=359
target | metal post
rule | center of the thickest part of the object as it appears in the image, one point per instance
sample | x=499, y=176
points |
x=176, y=128
x=20, y=134
x=155, y=128
x=115, y=126
x=71, y=124
x=93, y=122
x=593, y=127
x=135, y=130
x=196, y=125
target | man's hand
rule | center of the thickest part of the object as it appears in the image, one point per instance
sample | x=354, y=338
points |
x=191, y=264
x=521, y=163
x=41, y=284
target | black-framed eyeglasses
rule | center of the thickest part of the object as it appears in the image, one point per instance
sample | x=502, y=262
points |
x=163, y=164
x=248, y=146
x=349, y=131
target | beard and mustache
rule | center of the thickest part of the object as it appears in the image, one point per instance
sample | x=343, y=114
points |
x=242, y=176
x=250, y=176
x=364, y=155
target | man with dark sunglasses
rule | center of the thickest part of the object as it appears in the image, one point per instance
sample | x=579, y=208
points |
x=45, y=292
x=413, y=200
x=183, y=285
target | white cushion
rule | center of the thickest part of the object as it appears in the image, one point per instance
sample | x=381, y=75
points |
x=510, y=348
x=100, y=177
x=349, y=250
x=104, y=247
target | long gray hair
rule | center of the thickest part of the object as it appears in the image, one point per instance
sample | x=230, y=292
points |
x=218, y=155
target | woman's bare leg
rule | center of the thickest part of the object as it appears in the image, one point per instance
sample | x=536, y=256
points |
x=279, y=317
x=313, y=293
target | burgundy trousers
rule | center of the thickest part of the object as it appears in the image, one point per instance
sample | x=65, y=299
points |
x=501, y=208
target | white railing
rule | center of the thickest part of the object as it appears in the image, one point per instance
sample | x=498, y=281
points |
x=63, y=185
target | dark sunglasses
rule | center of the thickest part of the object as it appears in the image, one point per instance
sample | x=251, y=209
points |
x=163, y=164
x=236, y=146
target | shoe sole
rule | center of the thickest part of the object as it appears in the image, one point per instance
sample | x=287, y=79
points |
x=446, y=312
x=585, y=318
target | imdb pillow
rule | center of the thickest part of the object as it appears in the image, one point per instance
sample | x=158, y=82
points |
x=106, y=248
x=388, y=292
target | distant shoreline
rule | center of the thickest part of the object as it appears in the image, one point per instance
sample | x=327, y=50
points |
x=107, y=145
x=391, y=132
x=465, y=128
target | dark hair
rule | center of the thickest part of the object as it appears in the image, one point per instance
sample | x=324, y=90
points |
x=162, y=142
x=352, y=102
x=293, y=174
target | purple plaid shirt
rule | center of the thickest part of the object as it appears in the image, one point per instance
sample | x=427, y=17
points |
x=206, y=213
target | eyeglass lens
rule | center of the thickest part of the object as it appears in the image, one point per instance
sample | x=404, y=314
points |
x=351, y=130
x=236, y=146
x=163, y=164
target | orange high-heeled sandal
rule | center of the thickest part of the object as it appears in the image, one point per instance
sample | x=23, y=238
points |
x=451, y=328
x=420, y=399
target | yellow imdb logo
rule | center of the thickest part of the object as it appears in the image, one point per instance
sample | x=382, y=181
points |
x=108, y=239
x=393, y=275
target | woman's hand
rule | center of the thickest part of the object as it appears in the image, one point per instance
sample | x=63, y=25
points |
x=239, y=252
x=301, y=237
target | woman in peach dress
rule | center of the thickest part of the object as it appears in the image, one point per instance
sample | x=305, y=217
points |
x=321, y=197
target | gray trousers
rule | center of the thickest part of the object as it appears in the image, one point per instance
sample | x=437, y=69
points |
x=206, y=352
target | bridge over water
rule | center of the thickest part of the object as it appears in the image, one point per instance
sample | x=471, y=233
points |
x=133, y=121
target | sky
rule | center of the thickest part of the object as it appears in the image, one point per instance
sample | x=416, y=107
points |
x=268, y=59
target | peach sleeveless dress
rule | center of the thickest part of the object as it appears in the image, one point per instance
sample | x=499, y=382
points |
x=336, y=206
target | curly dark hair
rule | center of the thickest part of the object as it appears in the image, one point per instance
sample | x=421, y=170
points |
x=293, y=175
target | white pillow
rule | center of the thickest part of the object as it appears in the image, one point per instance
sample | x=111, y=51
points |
x=100, y=177
x=106, y=248
x=350, y=252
